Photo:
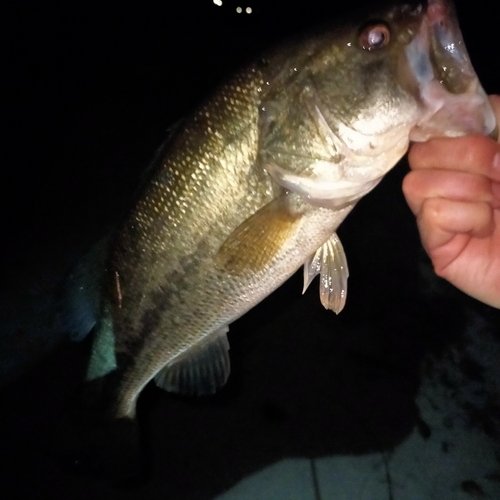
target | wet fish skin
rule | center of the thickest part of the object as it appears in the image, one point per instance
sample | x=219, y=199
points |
x=251, y=186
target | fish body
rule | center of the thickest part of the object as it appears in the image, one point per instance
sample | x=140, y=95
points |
x=255, y=182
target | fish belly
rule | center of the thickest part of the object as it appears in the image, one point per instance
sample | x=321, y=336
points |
x=201, y=303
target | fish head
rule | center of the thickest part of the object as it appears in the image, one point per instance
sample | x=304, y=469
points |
x=347, y=104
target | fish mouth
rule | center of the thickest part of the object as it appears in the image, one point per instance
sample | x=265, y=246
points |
x=452, y=101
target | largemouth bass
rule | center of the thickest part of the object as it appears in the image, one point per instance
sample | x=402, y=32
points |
x=254, y=184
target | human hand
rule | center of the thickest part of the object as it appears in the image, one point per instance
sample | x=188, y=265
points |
x=454, y=190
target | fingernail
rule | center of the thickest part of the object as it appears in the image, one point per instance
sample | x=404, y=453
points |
x=496, y=162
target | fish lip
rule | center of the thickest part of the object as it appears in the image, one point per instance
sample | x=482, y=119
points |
x=494, y=134
x=442, y=20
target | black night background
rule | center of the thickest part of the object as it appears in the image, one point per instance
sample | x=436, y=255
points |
x=90, y=89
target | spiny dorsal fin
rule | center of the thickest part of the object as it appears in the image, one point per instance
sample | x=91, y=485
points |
x=201, y=370
x=258, y=239
x=330, y=262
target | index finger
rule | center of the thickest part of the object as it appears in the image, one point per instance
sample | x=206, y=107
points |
x=473, y=154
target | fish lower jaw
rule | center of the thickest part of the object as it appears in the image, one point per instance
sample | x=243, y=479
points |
x=453, y=115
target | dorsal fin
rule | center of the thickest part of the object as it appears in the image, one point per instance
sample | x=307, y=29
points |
x=80, y=302
x=201, y=370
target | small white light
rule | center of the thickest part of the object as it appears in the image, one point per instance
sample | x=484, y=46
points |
x=218, y=2
x=239, y=10
x=248, y=10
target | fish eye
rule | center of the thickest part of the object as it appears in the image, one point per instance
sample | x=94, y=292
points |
x=374, y=36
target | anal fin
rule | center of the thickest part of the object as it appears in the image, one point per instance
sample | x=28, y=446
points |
x=201, y=370
x=330, y=263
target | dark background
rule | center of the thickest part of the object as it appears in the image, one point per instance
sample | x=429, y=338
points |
x=90, y=89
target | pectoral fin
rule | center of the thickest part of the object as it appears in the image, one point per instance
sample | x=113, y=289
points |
x=254, y=243
x=201, y=370
x=330, y=263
